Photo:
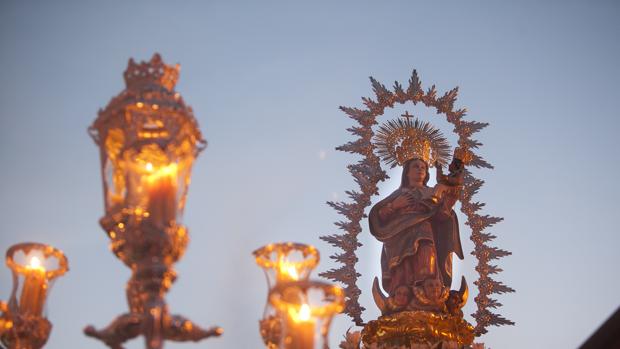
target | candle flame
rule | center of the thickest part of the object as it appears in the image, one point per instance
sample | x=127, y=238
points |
x=292, y=271
x=300, y=314
x=35, y=263
x=169, y=171
x=288, y=270
x=304, y=312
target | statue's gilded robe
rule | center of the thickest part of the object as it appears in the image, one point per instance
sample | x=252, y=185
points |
x=402, y=232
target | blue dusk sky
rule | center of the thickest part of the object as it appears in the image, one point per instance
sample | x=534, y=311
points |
x=265, y=80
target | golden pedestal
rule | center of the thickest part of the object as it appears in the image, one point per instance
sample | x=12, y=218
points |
x=410, y=328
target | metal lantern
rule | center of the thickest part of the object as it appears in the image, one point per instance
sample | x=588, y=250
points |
x=282, y=262
x=148, y=140
x=23, y=322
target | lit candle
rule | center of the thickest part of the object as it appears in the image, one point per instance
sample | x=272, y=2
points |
x=162, y=194
x=34, y=290
x=301, y=328
x=306, y=309
x=287, y=271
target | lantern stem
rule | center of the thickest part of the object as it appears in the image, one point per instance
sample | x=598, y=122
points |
x=152, y=251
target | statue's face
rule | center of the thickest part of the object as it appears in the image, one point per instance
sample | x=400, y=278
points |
x=432, y=288
x=417, y=172
x=453, y=300
x=401, y=296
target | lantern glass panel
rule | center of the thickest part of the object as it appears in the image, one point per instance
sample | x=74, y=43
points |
x=147, y=173
x=113, y=171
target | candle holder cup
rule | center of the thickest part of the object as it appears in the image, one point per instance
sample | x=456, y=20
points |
x=306, y=309
x=23, y=322
x=282, y=262
x=148, y=140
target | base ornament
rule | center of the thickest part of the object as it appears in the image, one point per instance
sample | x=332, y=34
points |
x=417, y=327
x=271, y=331
x=24, y=331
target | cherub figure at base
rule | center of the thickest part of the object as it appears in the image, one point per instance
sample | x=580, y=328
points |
x=457, y=299
x=430, y=295
x=400, y=301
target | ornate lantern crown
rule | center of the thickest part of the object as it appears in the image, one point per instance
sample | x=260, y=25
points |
x=155, y=72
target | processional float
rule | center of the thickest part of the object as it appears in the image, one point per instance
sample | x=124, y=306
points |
x=416, y=224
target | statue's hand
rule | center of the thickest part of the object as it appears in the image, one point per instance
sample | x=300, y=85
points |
x=401, y=201
x=439, y=168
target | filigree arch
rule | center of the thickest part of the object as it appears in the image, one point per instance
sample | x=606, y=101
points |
x=367, y=173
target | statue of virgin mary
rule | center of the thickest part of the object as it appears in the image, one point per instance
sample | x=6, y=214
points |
x=417, y=226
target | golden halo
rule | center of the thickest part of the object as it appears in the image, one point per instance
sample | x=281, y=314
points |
x=398, y=141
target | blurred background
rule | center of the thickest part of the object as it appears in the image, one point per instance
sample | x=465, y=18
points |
x=265, y=79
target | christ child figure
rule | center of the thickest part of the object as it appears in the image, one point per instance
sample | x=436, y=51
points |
x=452, y=181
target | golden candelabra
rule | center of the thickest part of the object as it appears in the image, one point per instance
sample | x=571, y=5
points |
x=148, y=140
x=23, y=322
